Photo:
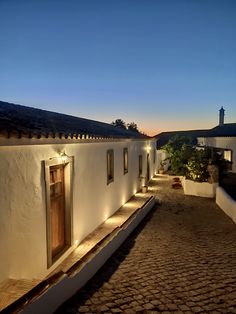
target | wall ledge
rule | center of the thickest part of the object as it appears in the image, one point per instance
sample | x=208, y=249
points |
x=202, y=189
x=226, y=203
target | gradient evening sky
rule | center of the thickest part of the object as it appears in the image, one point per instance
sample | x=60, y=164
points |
x=164, y=64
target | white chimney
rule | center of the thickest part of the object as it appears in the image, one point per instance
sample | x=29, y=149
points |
x=221, y=116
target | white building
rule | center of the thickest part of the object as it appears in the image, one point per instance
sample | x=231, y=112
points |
x=222, y=138
x=61, y=177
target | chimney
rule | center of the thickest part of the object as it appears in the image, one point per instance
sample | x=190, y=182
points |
x=221, y=116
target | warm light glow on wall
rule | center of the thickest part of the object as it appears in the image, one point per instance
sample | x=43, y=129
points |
x=123, y=200
x=76, y=242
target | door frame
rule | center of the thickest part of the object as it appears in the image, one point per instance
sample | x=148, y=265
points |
x=68, y=183
x=148, y=168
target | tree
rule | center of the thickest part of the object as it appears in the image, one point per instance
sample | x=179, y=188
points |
x=119, y=123
x=179, y=152
x=133, y=127
x=175, y=143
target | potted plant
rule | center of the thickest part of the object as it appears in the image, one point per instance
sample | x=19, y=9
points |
x=144, y=189
x=144, y=186
x=197, y=181
x=161, y=169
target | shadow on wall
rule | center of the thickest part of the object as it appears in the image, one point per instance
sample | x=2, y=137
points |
x=107, y=270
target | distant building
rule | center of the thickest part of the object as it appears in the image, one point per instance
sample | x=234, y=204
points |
x=222, y=138
x=164, y=137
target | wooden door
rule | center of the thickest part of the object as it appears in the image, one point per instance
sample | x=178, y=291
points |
x=57, y=209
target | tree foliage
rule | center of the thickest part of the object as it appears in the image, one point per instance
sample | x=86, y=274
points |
x=119, y=123
x=132, y=127
x=185, y=159
x=196, y=168
x=179, y=151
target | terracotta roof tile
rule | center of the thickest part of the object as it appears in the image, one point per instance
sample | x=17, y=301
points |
x=32, y=122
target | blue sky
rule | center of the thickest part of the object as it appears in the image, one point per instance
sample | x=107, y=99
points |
x=165, y=64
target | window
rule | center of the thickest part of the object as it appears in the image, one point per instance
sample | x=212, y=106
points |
x=228, y=158
x=154, y=156
x=228, y=155
x=110, y=166
x=58, y=178
x=140, y=165
x=125, y=160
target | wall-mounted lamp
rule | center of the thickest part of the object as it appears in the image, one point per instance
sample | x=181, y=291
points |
x=63, y=157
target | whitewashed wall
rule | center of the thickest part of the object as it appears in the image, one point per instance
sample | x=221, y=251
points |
x=203, y=189
x=161, y=156
x=221, y=142
x=226, y=203
x=23, y=242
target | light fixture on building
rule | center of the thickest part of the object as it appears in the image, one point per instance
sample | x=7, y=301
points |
x=64, y=157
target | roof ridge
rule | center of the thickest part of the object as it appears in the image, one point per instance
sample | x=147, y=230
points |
x=18, y=119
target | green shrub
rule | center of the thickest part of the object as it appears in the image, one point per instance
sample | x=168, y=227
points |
x=186, y=160
x=197, y=166
x=179, y=151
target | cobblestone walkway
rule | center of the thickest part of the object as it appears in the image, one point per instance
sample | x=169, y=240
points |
x=181, y=259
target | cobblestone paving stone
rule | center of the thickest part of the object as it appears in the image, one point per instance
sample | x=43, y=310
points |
x=181, y=259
